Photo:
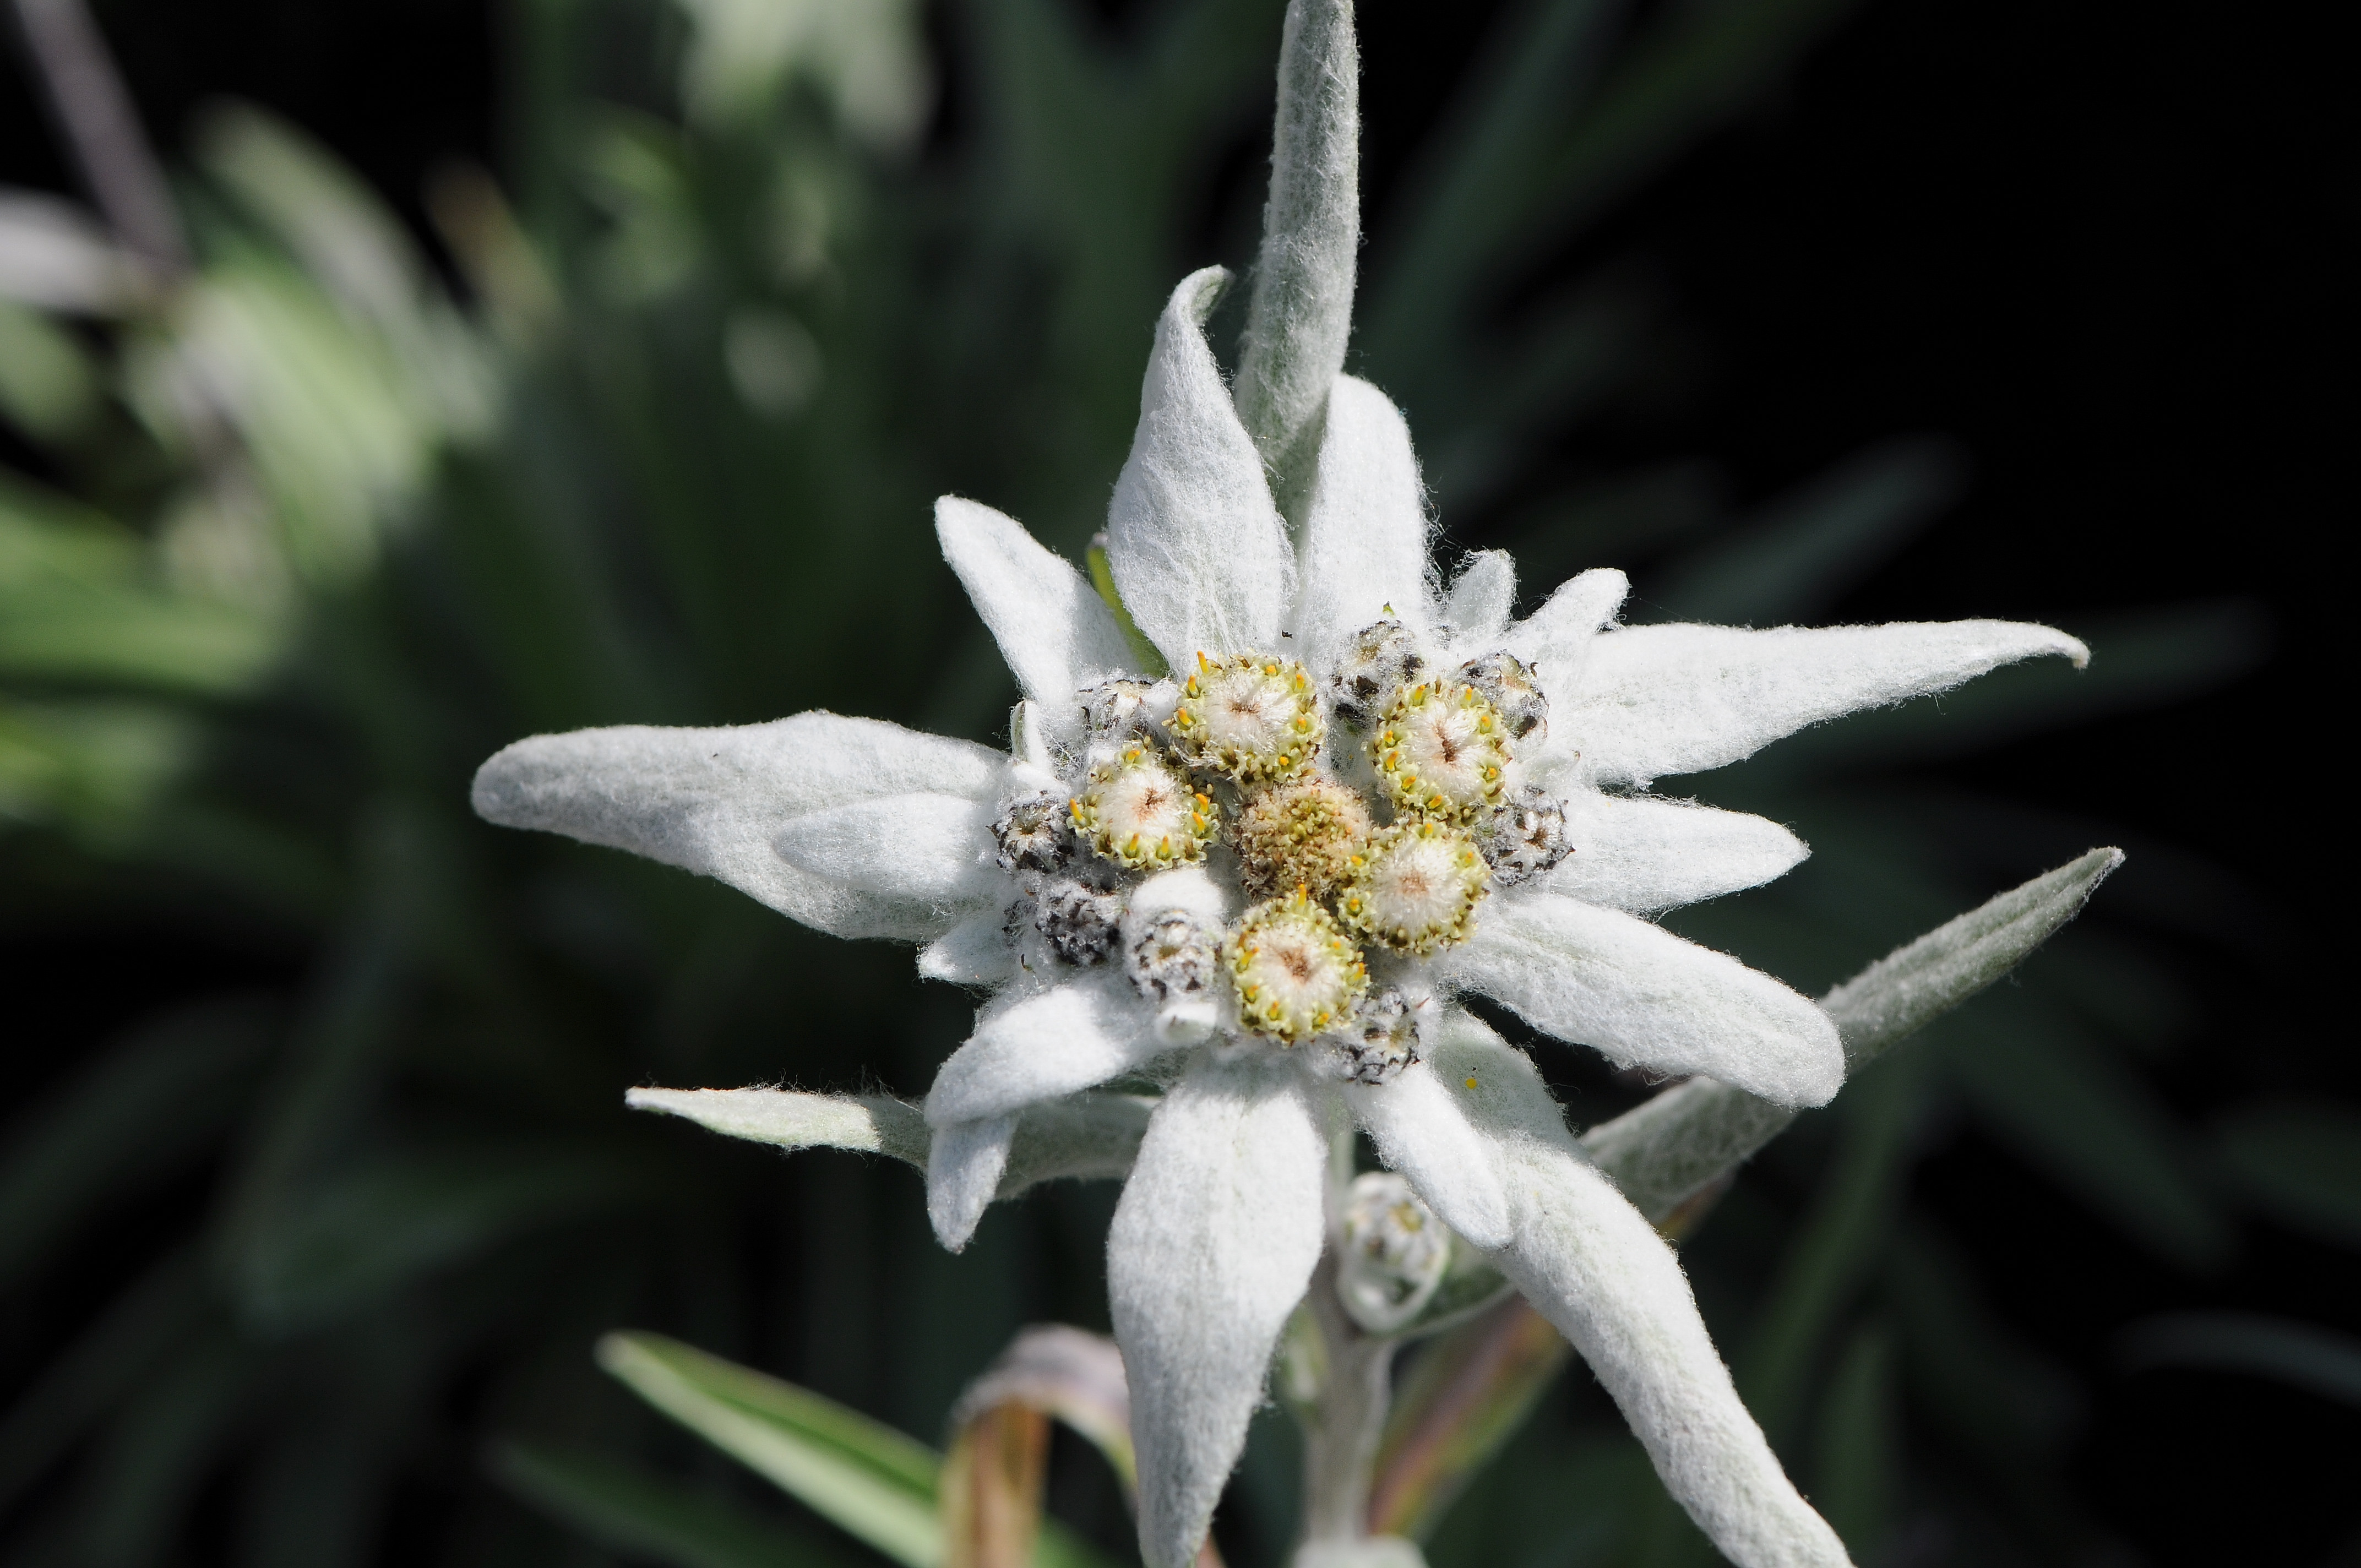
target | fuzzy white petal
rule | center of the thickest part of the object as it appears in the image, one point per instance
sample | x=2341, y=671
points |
x=1603, y=1276
x=963, y=1173
x=1053, y=1042
x=1481, y=599
x=1641, y=995
x=1211, y=1245
x=717, y=801
x=791, y=1120
x=1644, y=854
x=1557, y=639
x=1422, y=1131
x=1197, y=548
x=929, y=847
x=1658, y=700
x=1055, y=632
x=1364, y=535
x=974, y=952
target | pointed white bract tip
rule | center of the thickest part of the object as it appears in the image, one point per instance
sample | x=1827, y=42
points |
x=1189, y=890
x=1198, y=293
x=963, y=1171
x=1188, y=1024
x=2076, y=652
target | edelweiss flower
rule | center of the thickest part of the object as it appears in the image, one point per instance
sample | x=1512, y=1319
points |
x=1265, y=878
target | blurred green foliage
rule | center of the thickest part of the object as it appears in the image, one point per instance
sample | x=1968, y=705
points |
x=315, y=533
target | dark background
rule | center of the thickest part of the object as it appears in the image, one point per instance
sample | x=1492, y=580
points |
x=2095, y=246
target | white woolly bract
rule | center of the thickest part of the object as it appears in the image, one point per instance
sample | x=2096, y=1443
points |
x=931, y=849
x=1477, y=605
x=1212, y=1242
x=1073, y=1036
x=1364, y=544
x=1197, y=550
x=1423, y=1131
x=1603, y=1276
x=797, y=1121
x=963, y=1171
x=1055, y=632
x=715, y=801
x=1555, y=639
x=1658, y=700
x=1189, y=890
x=973, y=952
x=1644, y=855
x=1646, y=997
x=1303, y=307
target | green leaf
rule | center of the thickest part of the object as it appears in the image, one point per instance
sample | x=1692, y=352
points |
x=2302, y=1355
x=49, y=386
x=1671, y=1146
x=2299, y=1164
x=1103, y=579
x=863, y=1475
x=647, y=1516
x=1913, y=985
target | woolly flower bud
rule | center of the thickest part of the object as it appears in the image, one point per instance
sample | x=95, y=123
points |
x=1380, y=660
x=1031, y=834
x=1524, y=835
x=1139, y=812
x=1304, y=834
x=1507, y=683
x=1172, y=958
x=1415, y=888
x=1383, y=1042
x=1078, y=920
x=1441, y=754
x=1296, y=974
x=1117, y=712
x=1248, y=719
x=1394, y=1255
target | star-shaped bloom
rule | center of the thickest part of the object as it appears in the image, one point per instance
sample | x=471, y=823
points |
x=1261, y=867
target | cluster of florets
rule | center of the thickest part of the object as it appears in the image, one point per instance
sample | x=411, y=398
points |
x=1234, y=751
x=1248, y=719
x=1141, y=813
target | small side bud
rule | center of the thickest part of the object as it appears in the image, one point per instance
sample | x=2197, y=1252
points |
x=1379, y=660
x=1394, y=1255
x=1384, y=1044
x=1031, y=835
x=1507, y=683
x=1524, y=835
x=1078, y=921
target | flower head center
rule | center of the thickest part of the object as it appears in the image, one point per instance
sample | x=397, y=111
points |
x=1248, y=719
x=1442, y=753
x=1297, y=974
x=1137, y=812
x=1416, y=888
x=1300, y=833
